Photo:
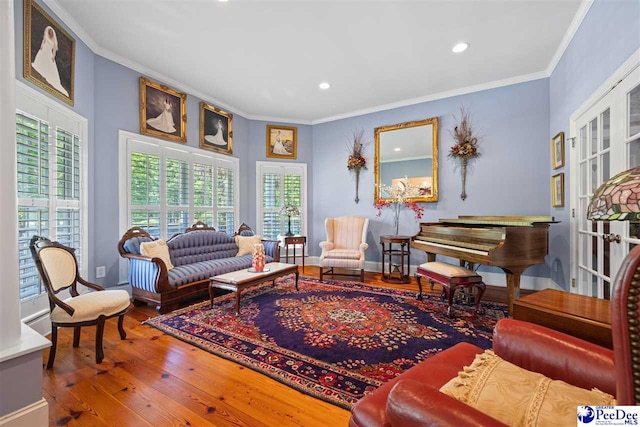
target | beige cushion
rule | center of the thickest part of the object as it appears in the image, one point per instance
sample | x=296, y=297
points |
x=91, y=305
x=518, y=397
x=343, y=254
x=157, y=249
x=448, y=270
x=245, y=244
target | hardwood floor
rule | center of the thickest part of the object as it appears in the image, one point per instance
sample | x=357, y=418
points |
x=152, y=379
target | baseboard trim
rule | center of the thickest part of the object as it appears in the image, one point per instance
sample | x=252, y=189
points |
x=34, y=415
x=490, y=278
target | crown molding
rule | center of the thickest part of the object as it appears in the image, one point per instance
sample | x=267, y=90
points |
x=107, y=54
x=100, y=51
x=568, y=36
x=433, y=97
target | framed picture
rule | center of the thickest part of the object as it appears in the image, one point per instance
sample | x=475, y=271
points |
x=282, y=142
x=163, y=111
x=557, y=190
x=49, y=53
x=557, y=150
x=216, y=129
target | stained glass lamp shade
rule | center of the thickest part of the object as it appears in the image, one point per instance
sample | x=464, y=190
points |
x=617, y=199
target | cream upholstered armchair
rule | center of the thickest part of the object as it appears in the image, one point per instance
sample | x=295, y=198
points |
x=345, y=245
x=58, y=270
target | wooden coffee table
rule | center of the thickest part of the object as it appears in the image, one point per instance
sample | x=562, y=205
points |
x=237, y=281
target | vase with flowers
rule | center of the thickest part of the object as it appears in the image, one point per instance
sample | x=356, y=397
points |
x=356, y=160
x=400, y=196
x=465, y=147
x=289, y=211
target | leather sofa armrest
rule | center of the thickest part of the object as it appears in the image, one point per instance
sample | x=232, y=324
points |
x=411, y=403
x=555, y=354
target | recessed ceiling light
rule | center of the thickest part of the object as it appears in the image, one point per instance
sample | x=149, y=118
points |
x=460, y=47
x=324, y=85
x=396, y=149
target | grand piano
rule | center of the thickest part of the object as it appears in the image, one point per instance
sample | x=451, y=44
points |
x=513, y=243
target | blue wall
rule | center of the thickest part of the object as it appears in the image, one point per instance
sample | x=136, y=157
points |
x=512, y=177
x=513, y=123
x=608, y=36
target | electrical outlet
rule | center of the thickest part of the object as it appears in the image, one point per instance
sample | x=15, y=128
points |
x=100, y=272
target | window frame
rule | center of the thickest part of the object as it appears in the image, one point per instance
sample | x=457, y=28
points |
x=131, y=142
x=33, y=103
x=282, y=168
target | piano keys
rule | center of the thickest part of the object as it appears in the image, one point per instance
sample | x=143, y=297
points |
x=512, y=243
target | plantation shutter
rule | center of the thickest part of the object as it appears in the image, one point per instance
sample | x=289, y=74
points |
x=177, y=195
x=145, y=192
x=48, y=186
x=280, y=184
x=225, y=181
x=203, y=193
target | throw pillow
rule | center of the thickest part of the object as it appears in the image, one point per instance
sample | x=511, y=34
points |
x=518, y=397
x=158, y=249
x=245, y=244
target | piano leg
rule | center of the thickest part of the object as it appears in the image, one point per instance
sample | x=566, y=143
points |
x=513, y=286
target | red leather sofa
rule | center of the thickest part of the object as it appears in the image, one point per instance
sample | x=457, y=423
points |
x=414, y=399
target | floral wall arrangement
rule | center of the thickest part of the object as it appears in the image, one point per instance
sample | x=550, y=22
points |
x=356, y=160
x=466, y=146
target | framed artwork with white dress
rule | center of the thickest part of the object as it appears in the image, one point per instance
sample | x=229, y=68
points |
x=282, y=142
x=216, y=129
x=163, y=111
x=49, y=53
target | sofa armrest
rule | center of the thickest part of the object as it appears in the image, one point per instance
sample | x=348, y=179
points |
x=411, y=403
x=555, y=354
x=272, y=248
x=148, y=273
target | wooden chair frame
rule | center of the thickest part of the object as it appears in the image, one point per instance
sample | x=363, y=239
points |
x=36, y=245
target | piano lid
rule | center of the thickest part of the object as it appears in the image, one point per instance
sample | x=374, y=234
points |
x=497, y=220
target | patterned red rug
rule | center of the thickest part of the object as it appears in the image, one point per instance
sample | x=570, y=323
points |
x=334, y=340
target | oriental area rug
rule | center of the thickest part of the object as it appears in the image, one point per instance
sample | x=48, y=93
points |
x=336, y=341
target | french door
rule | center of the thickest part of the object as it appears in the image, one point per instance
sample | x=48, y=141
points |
x=607, y=141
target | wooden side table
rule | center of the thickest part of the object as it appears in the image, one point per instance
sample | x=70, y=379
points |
x=578, y=315
x=396, y=272
x=294, y=240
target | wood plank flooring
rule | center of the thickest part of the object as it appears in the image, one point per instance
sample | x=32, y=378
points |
x=151, y=379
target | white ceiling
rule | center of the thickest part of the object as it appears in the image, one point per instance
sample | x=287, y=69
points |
x=265, y=59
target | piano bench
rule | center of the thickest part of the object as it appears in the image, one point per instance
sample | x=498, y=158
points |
x=450, y=277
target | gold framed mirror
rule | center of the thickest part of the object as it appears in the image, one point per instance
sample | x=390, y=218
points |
x=408, y=150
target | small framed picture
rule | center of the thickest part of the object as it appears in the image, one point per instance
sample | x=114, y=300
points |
x=49, y=53
x=282, y=142
x=557, y=190
x=557, y=150
x=163, y=111
x=216, y=129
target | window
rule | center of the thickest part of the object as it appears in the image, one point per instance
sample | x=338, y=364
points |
x=280, y=184
x=50, y=166
x=168, y=189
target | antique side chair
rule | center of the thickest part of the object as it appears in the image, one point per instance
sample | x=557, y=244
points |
x=58, y=270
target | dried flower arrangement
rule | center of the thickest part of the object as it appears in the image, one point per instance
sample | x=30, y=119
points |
x=466, y=146
x=356, y=161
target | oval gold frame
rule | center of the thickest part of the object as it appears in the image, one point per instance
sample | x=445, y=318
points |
x=431, y=121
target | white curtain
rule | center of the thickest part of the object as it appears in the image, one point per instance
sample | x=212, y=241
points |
x=9, y=294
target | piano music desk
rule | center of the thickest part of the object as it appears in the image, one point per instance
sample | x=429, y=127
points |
x=584, y=317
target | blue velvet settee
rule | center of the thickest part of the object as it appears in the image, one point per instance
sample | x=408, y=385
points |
x=196, y=255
